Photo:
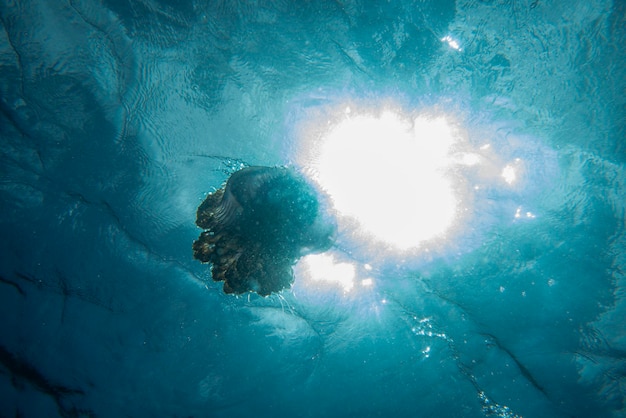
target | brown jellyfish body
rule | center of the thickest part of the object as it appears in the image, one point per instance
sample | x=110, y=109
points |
x=256, y=227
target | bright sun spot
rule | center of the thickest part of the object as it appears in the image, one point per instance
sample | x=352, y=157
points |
x=510, y=171
x=391, y=174
x=508, y=174
x=325, y=269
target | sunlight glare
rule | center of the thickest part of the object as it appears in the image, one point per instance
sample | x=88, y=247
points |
x=390, y=174
x=325, y=269
x=452, y=43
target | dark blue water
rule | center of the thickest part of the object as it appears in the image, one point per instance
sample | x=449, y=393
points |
x=116, y=119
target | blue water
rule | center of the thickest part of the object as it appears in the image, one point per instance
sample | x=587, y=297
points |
x=116, y=119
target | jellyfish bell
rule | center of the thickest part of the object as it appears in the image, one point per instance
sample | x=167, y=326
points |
x=257, y=225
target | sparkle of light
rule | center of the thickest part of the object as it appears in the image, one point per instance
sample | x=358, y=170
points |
x=367, y=282
x=518, y=214
x=324, y=268
x=508, y=174
x=452, y=43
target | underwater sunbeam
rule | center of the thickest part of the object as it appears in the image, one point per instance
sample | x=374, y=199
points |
x=391, y=174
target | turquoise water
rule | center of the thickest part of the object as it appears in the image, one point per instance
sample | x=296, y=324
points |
x=117, y=118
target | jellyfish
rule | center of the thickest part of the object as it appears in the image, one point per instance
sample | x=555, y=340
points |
x=257, y=226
